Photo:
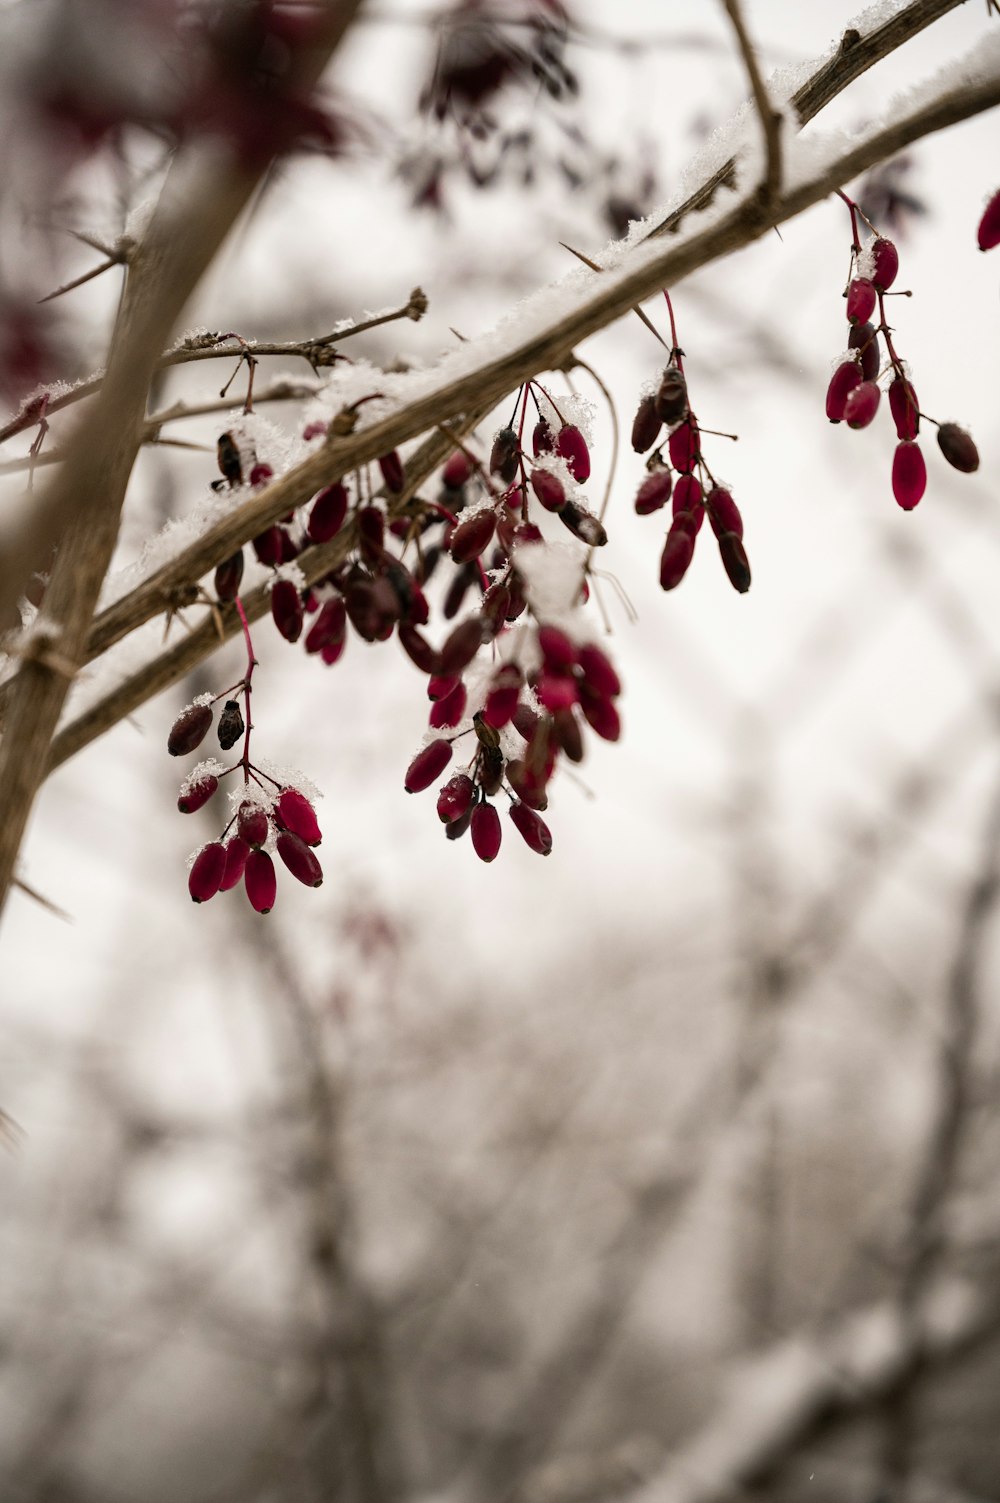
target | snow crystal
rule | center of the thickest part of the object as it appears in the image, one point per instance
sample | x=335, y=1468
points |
x=571, y=408
x=210, y=768
x=552, y=573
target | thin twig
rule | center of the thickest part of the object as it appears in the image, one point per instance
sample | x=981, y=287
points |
x=770, y=120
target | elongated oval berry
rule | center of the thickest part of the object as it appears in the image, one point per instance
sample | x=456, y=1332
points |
x=843, y=381
x=448, y=711
x=688, y=501
x=460, y=646
x=260, y=882
x=525, y=721
x=230, y=725
x=602, y=716
x=252, y=824
x=228, y=576
x=486, y=832
x=189, y=730
x=862, y=405
x=457, y=470
x=646, y=425
x=864, y=339
x=417, y=648
x=428, y=765
x=528, y=785
x=583, y=524
x=572, y=446
x=195, y=795
x=904, y=407
x=205, y=876
x=472, y=535
x=566, y=734
x=502, y=696
x=558, y=649
x=549, y=489
x=299, y=859
x=329, y=627
x=556, y=692
x=532, y=828
x=723, y=513
x=671, y=397
x=683, y=446
x=958, y=448
x=599, y=674
x=861, y=300
x=734, y=561
x=440, y=684
x=653, y=493
x=286, y=609
x=237, y=852
x=327, y=513
x=294, y=812
x=678, y=551
x=543, y=440
x=504, y=455
x=909, y=474
x=989, y=226
x=885, y=263
x=268, y=546
x=393, y=473
x=491, y=766
x=454, y=800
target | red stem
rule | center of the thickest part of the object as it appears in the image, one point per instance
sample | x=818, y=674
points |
x=251, y=665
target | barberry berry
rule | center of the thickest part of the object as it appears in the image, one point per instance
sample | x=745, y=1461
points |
x=189, y=729
x=207, y=871
x=909, y=474
x=958, y=448
x=260, y=881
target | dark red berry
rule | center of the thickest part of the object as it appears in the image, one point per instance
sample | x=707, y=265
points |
x=525, y=721
x=393, y=473
x=989, y=226
x=601, y=716
x=440, y=684
x=237, y=852
x=909, y=475
x=294, y=812
x=598, y=672
x=228, y=577
x=542, y=439
x=189, y=730
x=843, y=381
x=862, y=405
x=583, y=524
x=678, y=551
x=533, y=830
x=428, y=765
x=260, y=881
x=504, y=455
x=688, y=502
x=885, y=261
x=195, y=795
x=299, y=859
x=327, y=513
x=286, y=609
x=417, y=648
x=653, y=493
x=646, y=425
x=268, y=546
x=723, y=513
x=486, y=832
x=205, y=876
x=958, y=448
x=502, y=696
x=329, y=627
x=528, y=785
x=683, y=446
x=671, y=397
x=228, y=456
x=864, y=339
x=231, y=725
x=461, y=646
x=260, y=475
x=253, y=824
x=549, y=489
x=457, y=470
x=572, y=446
x=904, y=408
x=734, y=561
x=455, y=798
x=472, y=535
x=861, y=300
x=448, y=711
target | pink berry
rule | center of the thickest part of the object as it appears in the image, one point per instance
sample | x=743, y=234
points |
x=533, y=830
x=861, y=299
x=294, y=812
x=958, y=448
x=455, y=798
x=486, y=832
x=885, y=260
x=326, y=516
x=572, y=446
x=196, y=795
x=862, y=405
x=653, y=493
x=260, y=881
x=909, y=475
x=237, y=852
x=904, y=408
x=549, y=489
x=646, y=425
x=189, y=730
x=299, y=859
x=428, y=765
x=205, y=876
x=989, y=225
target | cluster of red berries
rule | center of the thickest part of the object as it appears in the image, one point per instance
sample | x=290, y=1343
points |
x=854, y=393
x=695, y=491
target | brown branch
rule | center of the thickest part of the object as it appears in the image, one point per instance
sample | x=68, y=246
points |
x=770, y=119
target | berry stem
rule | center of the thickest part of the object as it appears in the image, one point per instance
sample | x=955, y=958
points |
x=251, y=665
x=675, y=348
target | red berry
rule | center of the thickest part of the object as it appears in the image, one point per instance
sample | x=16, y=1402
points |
x=417, y=648
x=237, y=852
x=461, y=646
x=268, y=546
x=543, y=440
x=558, y=650
x=653, y=493
x=861, y=300
x=252, y=824
x=455, y=798
x=504, y=455
x=393, y=473
x=259, y=881
x=205, y=876
x=189, y=730
x=646, y=425
x=688, y=501
x=734, y=561
x=861, y=405
x=601, y=716
x=958, y=448
x=286, y=609
x=228, y=576
x=457, y=470
x=909, y=475
x=885, y=260
x=329, y=627
x=843, y=381
x=598, y=672
x=549, y=489
x=904, y=407
x=502, y=696
x=572, y=446
x=566, y=734
x=260, y=475
x=294, y=812
x=671, y=398
x=326, y=517
x=429, y=763
x=583, y=524
x=194, y=796
x=371, y=534
x=678, y=551
x=449, y=710
x=989, y=225
x=556, y=692
x=332, y=654
x=683, y=446
x=723, y=513
x=486, y=831
x=299, y=859
x=525, y=721
x=472, y=535
x=864, y=339
x=528, y=785
x=532, y=829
